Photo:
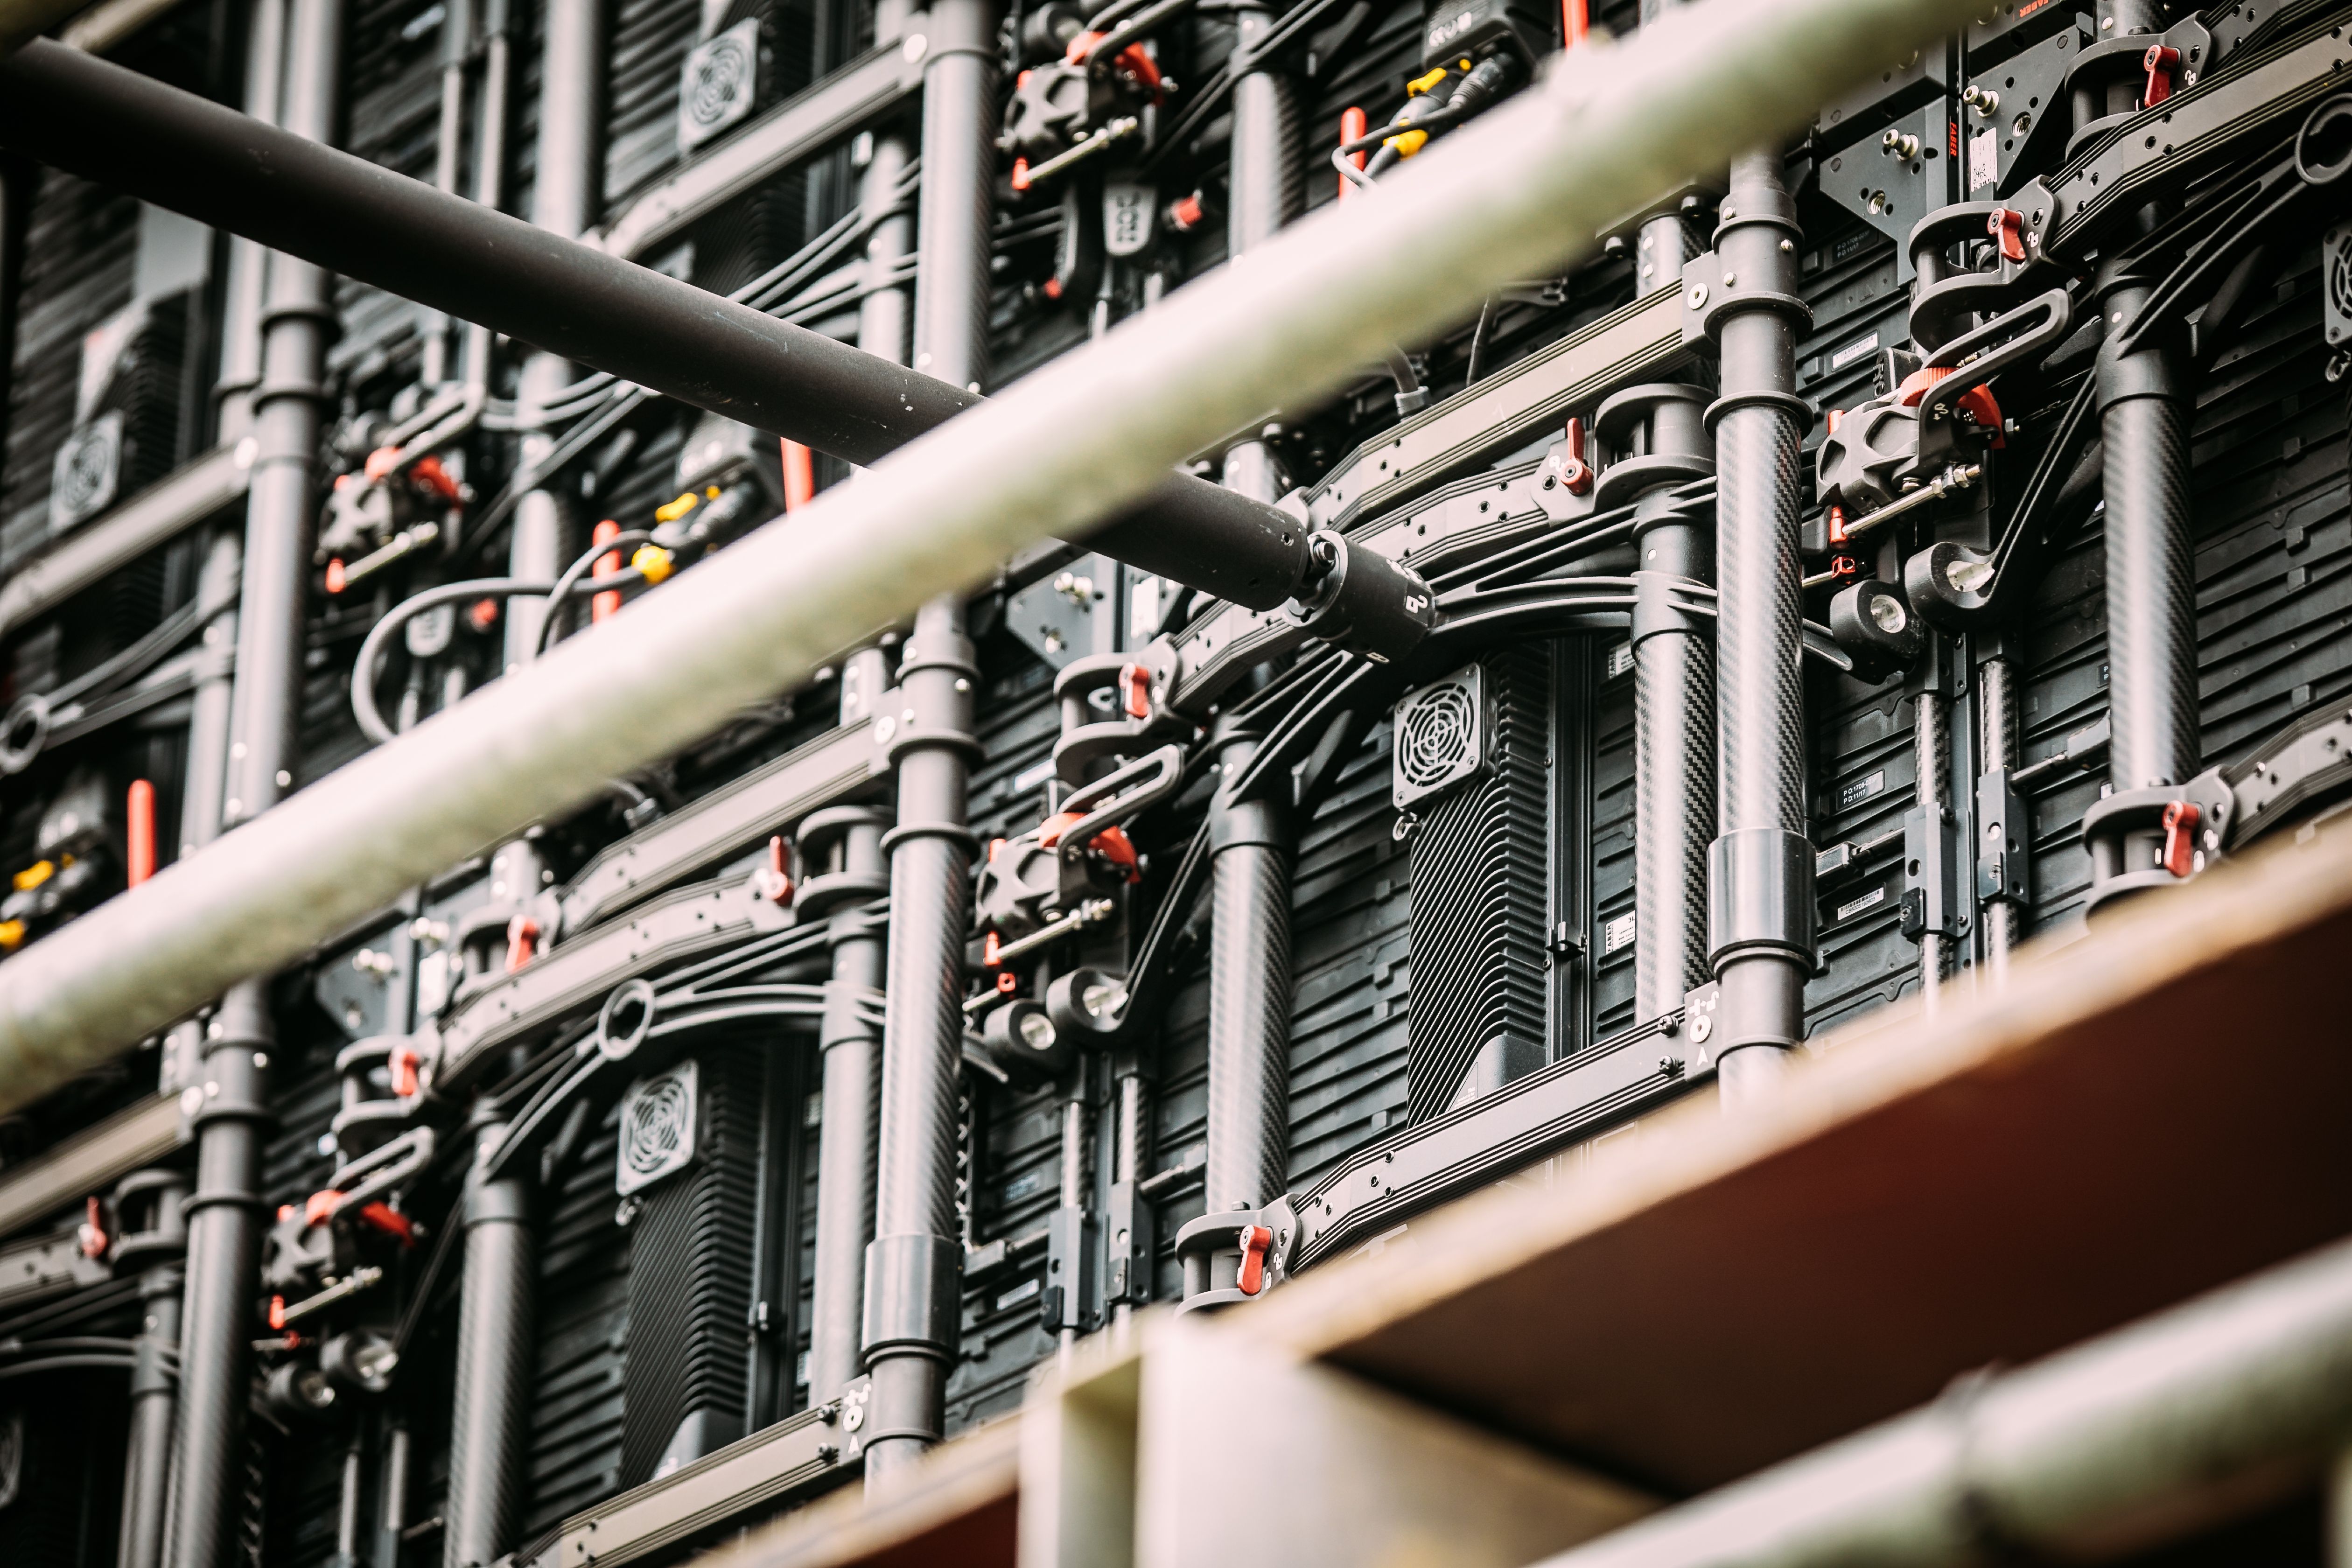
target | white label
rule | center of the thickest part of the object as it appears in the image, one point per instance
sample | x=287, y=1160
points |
x=1024, y=1291
x=1984, y=160
x=1854, y=351
x=1861, y=790
x=1031, y=777
x=1621, y=659
x=432, y=983
x=1617, y=933
x=1853, y=907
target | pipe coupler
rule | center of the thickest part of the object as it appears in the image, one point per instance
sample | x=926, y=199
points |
x=1362, y=602
x=1759, y=894
x=911, y=1285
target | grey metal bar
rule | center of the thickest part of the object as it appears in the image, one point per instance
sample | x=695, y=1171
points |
x=193, y=492
x=224, y=1212
x=1069, y=442
x=2148, y=1427
x=1996, y=723
x=1760, y=868
x=488, y=1426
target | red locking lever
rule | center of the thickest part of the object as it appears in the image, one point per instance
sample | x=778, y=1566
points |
x=1135, y=689
x=2008, y=227
x=522, y=942
x=2160, y=63
x=1575, y=473
x=2180, y=837
x=1255, y=1239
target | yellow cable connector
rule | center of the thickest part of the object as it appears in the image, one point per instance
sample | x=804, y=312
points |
x=34, y=875
x=1422, y=84
x=710, y=493
x=12, y=935
x=653, y=560
x=678, y=508
x=1409, y=143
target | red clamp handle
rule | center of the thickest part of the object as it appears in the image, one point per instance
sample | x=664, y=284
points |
x=2180, y=837
x=1255, y=1240
x=93, y=1231
x=522, y=942
x=1135, y=689
x=2008, y=227
x=404, y=1070
x=1575, y=473
x=775, y=882
x=320, y=1207
x=2160, y=63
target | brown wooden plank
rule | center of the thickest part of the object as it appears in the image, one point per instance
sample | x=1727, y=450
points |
x=958, y=1507
x=2143, y=1114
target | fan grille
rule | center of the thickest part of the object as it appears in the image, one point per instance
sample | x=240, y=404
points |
x=656, y=1127
x=720, y=80
x=1438, y=740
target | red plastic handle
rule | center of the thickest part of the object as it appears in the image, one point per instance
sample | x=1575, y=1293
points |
x=1255, y=1239
x=2180, y=837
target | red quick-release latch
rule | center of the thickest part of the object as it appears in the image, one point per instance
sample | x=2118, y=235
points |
x=522, y=940
x=990, y=946
x=1135, y=689
x=2007, y=225
x=1837, y=525
x=1255, y=1239
x=1575, y=473
x=93, y=1231
x=404, y=1070
x=391, y=1222
x=319, y=1209
x=2180, y=837
x=278, y=1311
x=776, y=876
x=2160, y=63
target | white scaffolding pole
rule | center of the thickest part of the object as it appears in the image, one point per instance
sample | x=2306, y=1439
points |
x=1517, y=193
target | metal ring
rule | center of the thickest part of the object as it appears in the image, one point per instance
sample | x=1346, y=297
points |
x=2333, y=122
x=24, y=733
x=624, y=1021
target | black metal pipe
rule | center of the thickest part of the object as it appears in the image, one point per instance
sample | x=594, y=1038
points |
x=1760, y=895
x=133, y=133
x=217, y=1321
x=488, y=1428
x=1249, y=993
x=851, y=1070
x=154, y=1382
x=913, y=1266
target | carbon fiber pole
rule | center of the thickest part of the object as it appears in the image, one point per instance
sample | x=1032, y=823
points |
x=489, y=1426
x=1760, y=870
x=852, y=1059
x=1997, y=721
x=914, y=1266
x=1931, y=756
x=2151, y=578
x=1249, y=994
x=229, y=1100
x=1674, y=678
x=154, y=1385
x=248, y=262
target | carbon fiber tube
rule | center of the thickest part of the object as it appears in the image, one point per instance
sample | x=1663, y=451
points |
x=1931, y=757
x=489, y=1424
x=911, y=1294
x=952, y=239
x=217, y=1320
x=133, y=133
x=1249, y=996
x=1762, y=964
x=1997, y=722
x=2151, y=577
x=248, y=263
x=1674, y=787
x=847, y=1133
x=154, y=1388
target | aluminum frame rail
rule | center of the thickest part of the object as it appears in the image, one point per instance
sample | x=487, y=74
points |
x=2112, y=1445
x=1529, y=186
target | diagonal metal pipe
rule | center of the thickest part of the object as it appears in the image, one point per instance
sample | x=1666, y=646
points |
x=1526, y=188
x=567, y=299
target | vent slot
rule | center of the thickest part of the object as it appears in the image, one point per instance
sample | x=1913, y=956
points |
x=1481, y=890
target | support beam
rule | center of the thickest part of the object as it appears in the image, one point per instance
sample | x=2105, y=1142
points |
x=133, y=133
x=1071, y=441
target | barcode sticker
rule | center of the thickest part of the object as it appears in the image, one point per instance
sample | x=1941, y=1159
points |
x=1853, y=907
